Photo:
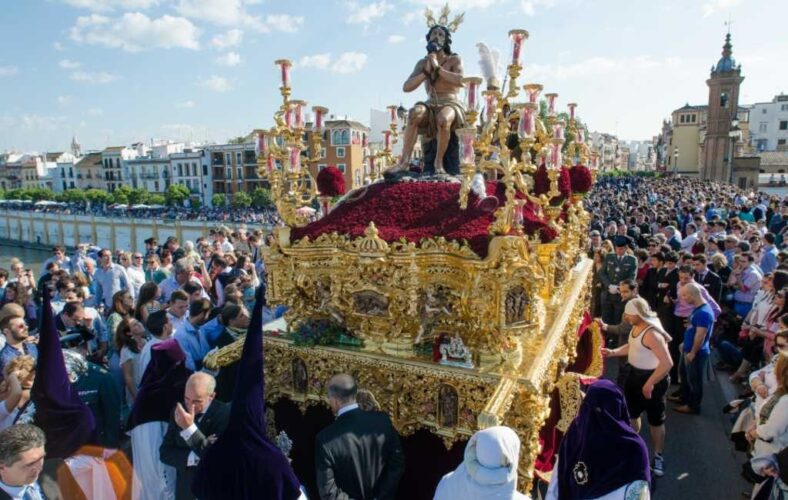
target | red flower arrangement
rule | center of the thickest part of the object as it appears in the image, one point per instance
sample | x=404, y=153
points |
x=581, y=179
x=419, y=210
x=331, y=182
x=542, y=184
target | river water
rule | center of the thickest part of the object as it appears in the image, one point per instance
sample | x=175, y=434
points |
x=33, y=259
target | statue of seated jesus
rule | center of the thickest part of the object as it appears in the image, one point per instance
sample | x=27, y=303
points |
x=436, y=118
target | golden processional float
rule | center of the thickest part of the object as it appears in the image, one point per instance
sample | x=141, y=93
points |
x=455, y=310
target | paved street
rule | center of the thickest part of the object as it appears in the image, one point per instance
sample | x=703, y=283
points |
x=700, y=462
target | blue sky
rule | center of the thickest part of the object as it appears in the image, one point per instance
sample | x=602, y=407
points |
x=118, y=71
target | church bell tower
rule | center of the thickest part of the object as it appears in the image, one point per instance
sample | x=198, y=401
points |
x=724, y=84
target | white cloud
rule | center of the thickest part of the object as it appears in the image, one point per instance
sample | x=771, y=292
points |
x=107, y=5
x=226, y=40
x=411, y=16
x=457, y=6
x=284, y=23
x=599, y=66
x=349, y=62
x=63, y=100
x=68, y=64
x=31, y=122
x=529, y=7
x=96, y=112
x=133, y=32
x=216, y=83
x=97, y=77
x=8, y=70
x=710, y=8
x=234, y=13
x=185, y=104
x=230, y=59
x=396, y=38
x=58, y=46
x=364, y=14
x=319, y=61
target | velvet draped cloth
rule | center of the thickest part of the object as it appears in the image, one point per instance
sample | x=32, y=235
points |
x=243, y=463
x=66, y=421
x=600, y=451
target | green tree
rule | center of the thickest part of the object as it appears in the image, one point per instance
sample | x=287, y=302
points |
x=71, y=196
x=261, y=198
x=98, y=196
x=156, y=199
x=19, y=194
x=237, y=140
x=196, y=203
x=121, y=195
x=2, y=194
x=241, y=200
x=219, y=200
x=137, y=196
x=176, y=194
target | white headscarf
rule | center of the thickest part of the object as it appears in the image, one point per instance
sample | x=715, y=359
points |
x=488, y=470
x=634, y=307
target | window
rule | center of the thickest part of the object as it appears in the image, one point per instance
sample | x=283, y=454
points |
x=228, y=159
x=763, y=111
x=205, y=170
x=783, y=124
x=341, y=167
x=681, y=119
x=783, y=107
x=180, y=170
x=723, y=99
x=340, y=152
x=322, y=153
x=763, y=127
x=228, y=173
x=694, y=118
x=238, y=158
x=321, y=166
x=781, y=142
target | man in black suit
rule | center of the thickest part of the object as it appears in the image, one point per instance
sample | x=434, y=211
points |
x=359, y=456
x=192, y=430
x=21, y=463
x=707, y=278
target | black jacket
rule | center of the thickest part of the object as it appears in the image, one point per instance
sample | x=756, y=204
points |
x=359, y=456
x=712, y=283
x=175, y=451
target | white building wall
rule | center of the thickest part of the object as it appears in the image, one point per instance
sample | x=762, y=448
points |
x=765, y=121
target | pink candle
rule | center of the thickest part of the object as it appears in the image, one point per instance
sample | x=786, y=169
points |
x=472, y=89
x=371, y=164
x=571, y=107
x=289, y=117
x=517, y=37
x=555, y=156
x=270, y=164
x=491, y=105
x=533, y=90
x=295, y=159
x=284, y=66
x=580, y=136
x=527, y=126
x=558, y=131
x=393, y=114
x=319, y=120
x=262, y=144
x=299, y=116
x=387, y=140
x=551, y=103
x=468, y=154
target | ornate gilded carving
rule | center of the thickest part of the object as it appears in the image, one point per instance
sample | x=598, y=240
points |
x=448, y=406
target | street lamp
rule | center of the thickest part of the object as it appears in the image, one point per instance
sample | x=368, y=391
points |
x=675, y=160
x=735, y=135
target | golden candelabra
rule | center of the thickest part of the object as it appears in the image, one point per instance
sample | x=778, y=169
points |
x=385, y=155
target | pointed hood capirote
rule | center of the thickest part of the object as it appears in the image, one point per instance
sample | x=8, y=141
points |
x=243, y=463
x=162, y=384
x=66, y=421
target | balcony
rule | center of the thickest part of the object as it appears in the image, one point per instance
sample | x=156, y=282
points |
x=153, y=177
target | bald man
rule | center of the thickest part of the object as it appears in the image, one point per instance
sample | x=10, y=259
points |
x=359, y=455
x=194, y=426
x=695, y=350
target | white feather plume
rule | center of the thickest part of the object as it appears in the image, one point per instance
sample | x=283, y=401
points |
x=489, y=64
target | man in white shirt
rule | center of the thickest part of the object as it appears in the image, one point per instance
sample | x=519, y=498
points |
x=692, y=237
x=136, y=275
x=21, y=462
x=179, y=306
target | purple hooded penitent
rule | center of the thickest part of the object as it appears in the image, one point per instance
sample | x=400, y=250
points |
x=67, y=422
x=243, y=464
